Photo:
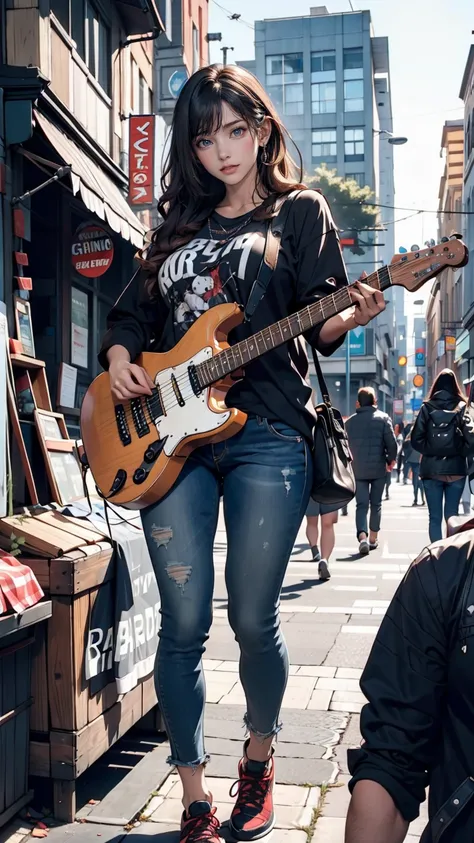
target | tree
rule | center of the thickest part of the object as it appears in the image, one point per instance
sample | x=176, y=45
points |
x=345, y=197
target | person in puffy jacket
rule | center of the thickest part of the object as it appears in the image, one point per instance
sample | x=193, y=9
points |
x=417, y=725
x=374, y=449
x=444, y=434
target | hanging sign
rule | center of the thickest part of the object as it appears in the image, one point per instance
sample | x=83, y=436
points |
x=450, y=343
x=418, y=380
x=141, y=158
x=92, y=250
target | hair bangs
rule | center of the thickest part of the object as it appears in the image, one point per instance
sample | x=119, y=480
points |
x=205, y=108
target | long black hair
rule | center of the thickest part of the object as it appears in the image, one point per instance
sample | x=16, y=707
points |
x=447, y=380
x=190, y=193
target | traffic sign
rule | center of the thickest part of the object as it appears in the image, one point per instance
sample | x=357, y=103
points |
x=420, y=357
x=418, y=380
x=402, y=360
x=176, y=82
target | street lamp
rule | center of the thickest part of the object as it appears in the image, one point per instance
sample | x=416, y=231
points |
x=395, y=140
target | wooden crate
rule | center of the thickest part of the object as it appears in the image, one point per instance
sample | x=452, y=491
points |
x=16, y=640
x=70, y=728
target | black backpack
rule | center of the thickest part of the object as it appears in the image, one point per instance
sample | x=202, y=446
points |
x=444, y=436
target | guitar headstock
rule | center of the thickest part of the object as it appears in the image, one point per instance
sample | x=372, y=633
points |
x=412, y=269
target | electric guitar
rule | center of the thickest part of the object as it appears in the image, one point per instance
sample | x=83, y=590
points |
x=136, y=449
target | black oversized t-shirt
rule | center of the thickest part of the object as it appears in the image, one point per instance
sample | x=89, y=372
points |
x=206, y=272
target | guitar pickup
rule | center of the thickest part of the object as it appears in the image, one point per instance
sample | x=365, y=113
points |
x=138, y=416
x=122, y=424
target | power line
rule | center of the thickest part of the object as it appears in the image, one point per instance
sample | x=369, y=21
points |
x=228, y=12
x=400, y=208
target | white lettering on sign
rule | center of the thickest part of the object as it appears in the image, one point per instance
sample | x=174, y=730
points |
x=141, y=160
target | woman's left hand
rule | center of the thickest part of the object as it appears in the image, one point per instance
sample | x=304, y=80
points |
x=368, y=302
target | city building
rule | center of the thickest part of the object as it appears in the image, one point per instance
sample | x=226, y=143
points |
x=72, y=74
x=465, y=342
x=445, y=305
x=329, y=77
x=182, y=49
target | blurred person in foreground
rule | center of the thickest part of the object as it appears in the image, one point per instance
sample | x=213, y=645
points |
x=417, y=727
x=444, y=434
x=374, y=448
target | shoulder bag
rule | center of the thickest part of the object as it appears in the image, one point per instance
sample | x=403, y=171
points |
x=333, y=477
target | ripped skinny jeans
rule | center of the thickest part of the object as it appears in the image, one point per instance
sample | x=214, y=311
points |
x=264, y=474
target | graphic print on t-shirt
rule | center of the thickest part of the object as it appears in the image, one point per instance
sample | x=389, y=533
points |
x=205, y=273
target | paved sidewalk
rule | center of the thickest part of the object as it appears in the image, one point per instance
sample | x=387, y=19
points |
x=329, y=628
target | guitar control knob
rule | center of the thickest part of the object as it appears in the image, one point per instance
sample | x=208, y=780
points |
x=140, y=475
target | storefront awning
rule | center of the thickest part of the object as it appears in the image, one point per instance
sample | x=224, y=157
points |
x=98, y=192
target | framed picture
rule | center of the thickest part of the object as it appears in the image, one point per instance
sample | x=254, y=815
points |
x=60, y=456
x=24, y=326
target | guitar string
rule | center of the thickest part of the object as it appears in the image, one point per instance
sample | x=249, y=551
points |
x=337, y=298
x=157, y=401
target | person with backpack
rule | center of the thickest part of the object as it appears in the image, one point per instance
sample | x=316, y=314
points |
x=444, y=435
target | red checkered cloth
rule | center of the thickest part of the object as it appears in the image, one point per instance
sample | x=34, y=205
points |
x=19, y=588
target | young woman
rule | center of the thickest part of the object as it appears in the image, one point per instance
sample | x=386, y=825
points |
x=399, y=435
x=227, y=170
x=413, y=460
x=328, y=516
x=444, y=434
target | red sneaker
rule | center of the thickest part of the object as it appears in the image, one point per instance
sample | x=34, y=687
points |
x=253, y=816
x=200, y=823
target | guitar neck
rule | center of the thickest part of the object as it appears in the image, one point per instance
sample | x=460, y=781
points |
x=243, y=352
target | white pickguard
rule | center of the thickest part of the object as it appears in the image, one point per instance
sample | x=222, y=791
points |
x=195, y=417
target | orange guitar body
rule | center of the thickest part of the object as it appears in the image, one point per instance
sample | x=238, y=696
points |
x=202, y=420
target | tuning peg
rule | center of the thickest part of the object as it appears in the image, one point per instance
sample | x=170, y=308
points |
x=456, y=237
x=444, y=239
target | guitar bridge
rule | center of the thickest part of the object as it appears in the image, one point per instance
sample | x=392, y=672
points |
x=177, y=391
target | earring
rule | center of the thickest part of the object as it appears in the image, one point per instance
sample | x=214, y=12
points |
x=264, y=155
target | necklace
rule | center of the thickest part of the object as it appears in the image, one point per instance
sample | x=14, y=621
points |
x=228, y=233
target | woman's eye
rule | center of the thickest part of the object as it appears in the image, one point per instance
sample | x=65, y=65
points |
x=202, y=143
x=240, y=130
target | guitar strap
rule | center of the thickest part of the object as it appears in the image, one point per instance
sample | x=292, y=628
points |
x=267, y=266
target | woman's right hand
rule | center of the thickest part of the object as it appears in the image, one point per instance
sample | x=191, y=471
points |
x=127, y=380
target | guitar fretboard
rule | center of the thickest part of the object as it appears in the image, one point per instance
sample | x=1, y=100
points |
x=286, y=329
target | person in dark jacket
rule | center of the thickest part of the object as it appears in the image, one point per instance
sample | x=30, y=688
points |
x=417, y=727
x=374, y=448
x=444, y=434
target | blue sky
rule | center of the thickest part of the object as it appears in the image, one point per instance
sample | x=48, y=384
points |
x=429, y=43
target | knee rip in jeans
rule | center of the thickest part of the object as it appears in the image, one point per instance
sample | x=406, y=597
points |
x=180, y=574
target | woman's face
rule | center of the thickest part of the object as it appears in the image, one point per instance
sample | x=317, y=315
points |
x=230, y=154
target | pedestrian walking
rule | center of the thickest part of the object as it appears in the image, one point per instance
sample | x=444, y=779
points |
x=443, y=434
x=399, y=436
x=406, y=451
x=320, y=522
x=228, y=172
x=417, y=725
x=374, y=448
x=413, y=460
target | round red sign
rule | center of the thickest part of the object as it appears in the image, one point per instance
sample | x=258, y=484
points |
x=92, y=250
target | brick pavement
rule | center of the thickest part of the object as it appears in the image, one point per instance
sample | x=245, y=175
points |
x=330, y=629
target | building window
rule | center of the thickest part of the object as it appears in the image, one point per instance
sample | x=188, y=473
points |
x=285, y=82
x=195, y=48
x=353, y=80
x=145, y=101
x=353, y=144
x=97, y=56
x=324, y=145
x=86, y=26
x=358, y=177
x=323, y=83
